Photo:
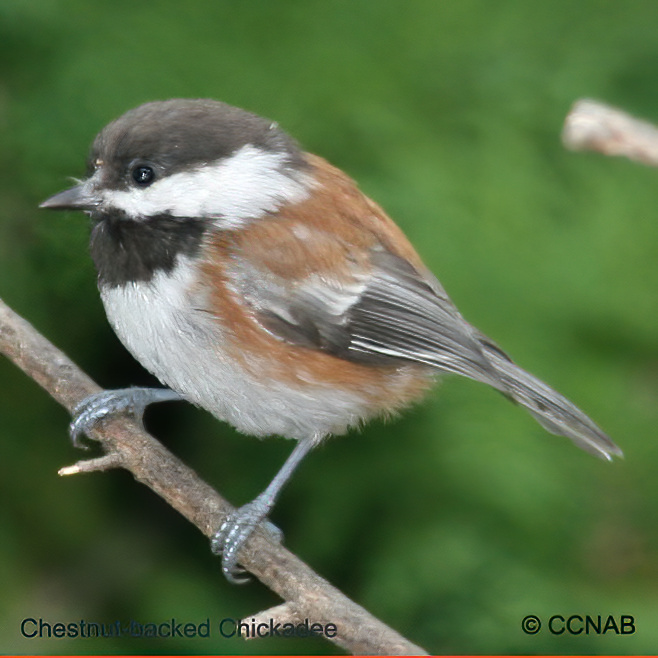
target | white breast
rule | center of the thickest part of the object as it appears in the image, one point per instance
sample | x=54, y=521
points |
x=163, y=324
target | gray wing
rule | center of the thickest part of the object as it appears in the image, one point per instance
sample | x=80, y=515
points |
x=394, y=313
x=403, y=314
x=389, y=313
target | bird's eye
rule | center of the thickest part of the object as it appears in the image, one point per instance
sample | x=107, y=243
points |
x=143, y=175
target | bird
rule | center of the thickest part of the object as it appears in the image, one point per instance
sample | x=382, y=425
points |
x=255, y=280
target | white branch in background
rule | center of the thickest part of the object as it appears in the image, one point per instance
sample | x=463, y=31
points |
x=594, y=126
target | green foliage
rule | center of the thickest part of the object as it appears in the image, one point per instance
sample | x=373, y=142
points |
x=459, y=519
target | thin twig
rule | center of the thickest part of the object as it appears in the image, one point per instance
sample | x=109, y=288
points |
x=594, y=126
x=126, y=444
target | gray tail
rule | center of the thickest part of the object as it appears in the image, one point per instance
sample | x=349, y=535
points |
x=553, y=411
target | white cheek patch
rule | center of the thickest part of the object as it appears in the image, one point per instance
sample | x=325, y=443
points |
x=234, y=190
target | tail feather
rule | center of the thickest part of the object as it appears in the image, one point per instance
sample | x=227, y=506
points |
x=553, y=411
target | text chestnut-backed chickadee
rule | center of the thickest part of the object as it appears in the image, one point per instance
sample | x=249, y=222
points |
x=256, y=281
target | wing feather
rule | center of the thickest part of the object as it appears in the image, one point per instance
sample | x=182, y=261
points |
x=389, y=311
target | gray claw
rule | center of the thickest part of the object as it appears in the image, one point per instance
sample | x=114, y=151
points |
x=234, y=533
x=92, y=410
x=96, y=407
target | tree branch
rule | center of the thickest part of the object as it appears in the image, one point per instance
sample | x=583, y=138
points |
x=593, y=126
x=126, y=444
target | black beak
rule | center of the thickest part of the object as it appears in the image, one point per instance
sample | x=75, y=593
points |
x=75, y=198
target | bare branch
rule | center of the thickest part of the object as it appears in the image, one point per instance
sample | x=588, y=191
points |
x=126, y=444
x=104, y=463
x=593, y=126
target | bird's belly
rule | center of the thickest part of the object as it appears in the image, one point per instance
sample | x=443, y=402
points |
x=183, y=347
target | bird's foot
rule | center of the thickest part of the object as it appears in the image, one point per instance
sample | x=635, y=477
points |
x=236, y=530
x=99, y=406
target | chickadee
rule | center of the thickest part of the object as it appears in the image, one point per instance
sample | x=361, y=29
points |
x=255, y=280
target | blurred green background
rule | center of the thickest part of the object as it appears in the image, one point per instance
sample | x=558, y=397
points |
x=457, y=520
